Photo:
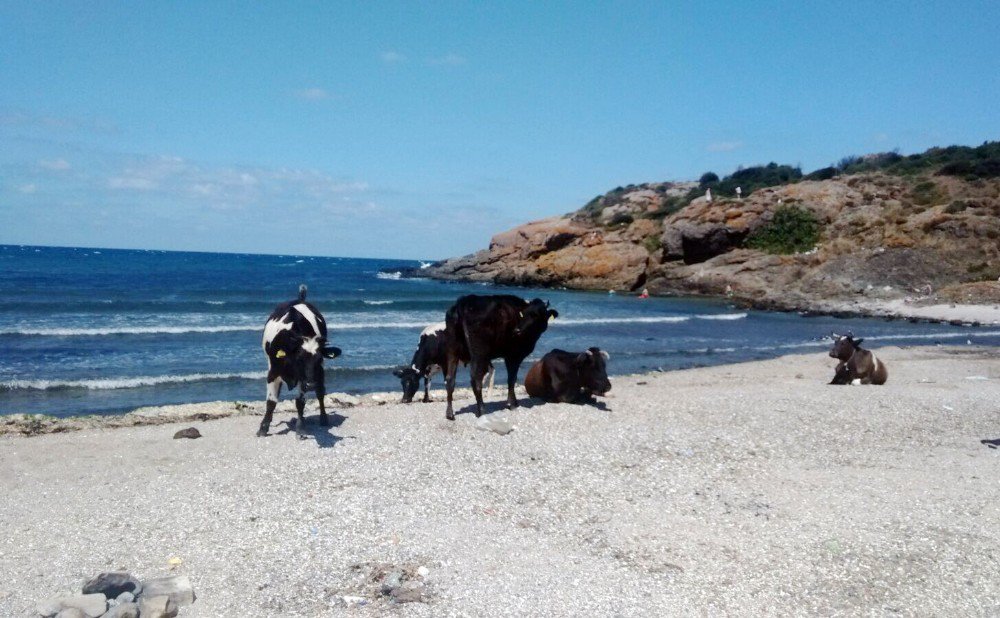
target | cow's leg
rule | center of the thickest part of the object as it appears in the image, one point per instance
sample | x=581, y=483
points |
x=300, y=423
x=490, y=374
x=427, y=384
x=477, y=369
x=512, y=367
x=273, y=390
x=324, y=420
x=449, y=384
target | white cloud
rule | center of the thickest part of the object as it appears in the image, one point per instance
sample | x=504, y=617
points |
x=312, y=94
x=724, y=146
x=55, y=164
x=28, y=188
x=392, y=57
x=451, y=60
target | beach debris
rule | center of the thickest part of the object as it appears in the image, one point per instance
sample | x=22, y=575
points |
x=351, y=600
x=177, y=588
x=113, y=584
x=157, y=607
x=175, y=562
x=190, y=432
x=342, y=399
x=423, y=571
x=89, y=605
x=494, y=423
x=977, y=378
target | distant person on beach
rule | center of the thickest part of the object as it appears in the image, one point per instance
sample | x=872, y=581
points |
x=739, y=193
x=708, y=195
x=645, y=293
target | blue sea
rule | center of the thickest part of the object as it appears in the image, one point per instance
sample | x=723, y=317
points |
x=104, y=331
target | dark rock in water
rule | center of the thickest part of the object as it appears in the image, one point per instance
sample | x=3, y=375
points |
x=177, y=588
x=112, y=584
x=190, y=432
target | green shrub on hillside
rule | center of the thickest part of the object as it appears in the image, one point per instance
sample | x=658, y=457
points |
x=791, y=230
x=652, y=243
x=926, y=193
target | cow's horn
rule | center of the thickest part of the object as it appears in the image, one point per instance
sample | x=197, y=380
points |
x=302, y=291
x=605, y=355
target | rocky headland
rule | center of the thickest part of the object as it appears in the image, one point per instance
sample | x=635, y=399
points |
x=875, y=234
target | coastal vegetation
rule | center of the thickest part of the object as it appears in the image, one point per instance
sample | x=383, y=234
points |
x=792, y=230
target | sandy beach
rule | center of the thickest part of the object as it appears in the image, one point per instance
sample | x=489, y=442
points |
x=741, y=489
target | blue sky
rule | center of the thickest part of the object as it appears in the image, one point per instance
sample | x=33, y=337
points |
x=418, y=130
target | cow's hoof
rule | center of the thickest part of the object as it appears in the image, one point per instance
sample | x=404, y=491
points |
x=449, y=415
x=513, y=404
x=301, y=436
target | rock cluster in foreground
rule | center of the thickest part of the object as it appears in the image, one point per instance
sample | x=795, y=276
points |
x=120, y=595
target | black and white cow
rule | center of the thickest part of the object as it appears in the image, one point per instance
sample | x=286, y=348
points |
x=481, y=328
x=430, y=357
x=295, y=346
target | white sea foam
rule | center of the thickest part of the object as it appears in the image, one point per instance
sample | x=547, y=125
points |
x=392, y=275
x=660, y=319
x=120, y=383
x=215, y=302
x=378, y=302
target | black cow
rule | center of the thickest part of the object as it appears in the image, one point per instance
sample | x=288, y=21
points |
x=430, y=357
x=295, y=345
x=481, y=328
x=569, y=377
x=856, y=366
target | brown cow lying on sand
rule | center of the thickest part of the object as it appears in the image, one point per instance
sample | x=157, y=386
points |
x=569, y=377
x=856, y=366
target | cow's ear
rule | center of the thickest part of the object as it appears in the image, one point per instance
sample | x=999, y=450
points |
x=834, y=336
x=583, y=358
x=857, y=342
x=553, y=314
x=331, y=351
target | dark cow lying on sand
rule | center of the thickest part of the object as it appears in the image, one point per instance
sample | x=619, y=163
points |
x=295, y=345
x=856, y=366
x=569, y=377
x=481, y=328
x=431, y=356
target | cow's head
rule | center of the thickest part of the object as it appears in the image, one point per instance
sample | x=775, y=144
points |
x=534, y=318
x=844, y=346
x=593, y=371
x=409, y=378
x=305, y=355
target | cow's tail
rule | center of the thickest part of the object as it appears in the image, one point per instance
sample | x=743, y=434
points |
x=453, y=330
x=302, y=292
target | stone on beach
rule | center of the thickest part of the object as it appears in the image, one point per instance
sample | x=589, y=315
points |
x=157, y=607
x=113, y=584
x=190, y=432
x=91, y=605
x=177, y=587
x=496, y=424
x=125, y=610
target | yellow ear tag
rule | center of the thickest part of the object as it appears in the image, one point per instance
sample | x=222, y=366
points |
x=280, y=354
x=551, y=317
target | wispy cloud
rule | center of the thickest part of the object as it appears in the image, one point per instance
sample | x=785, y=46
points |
x=312, y=94
x=724, y=146
x=59, y=124
x=56, y=165
x=451, y=60
x=392, y=57
x=28, y=188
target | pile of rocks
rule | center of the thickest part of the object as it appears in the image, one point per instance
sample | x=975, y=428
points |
x=120, y=595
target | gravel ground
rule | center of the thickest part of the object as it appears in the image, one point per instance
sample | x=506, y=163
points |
x=742, y=489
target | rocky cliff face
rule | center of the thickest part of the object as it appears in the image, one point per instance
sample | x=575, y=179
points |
x=881, y=236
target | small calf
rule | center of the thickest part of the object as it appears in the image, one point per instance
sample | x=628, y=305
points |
x=856, y=366
x=430, y=357
x=569, y=377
